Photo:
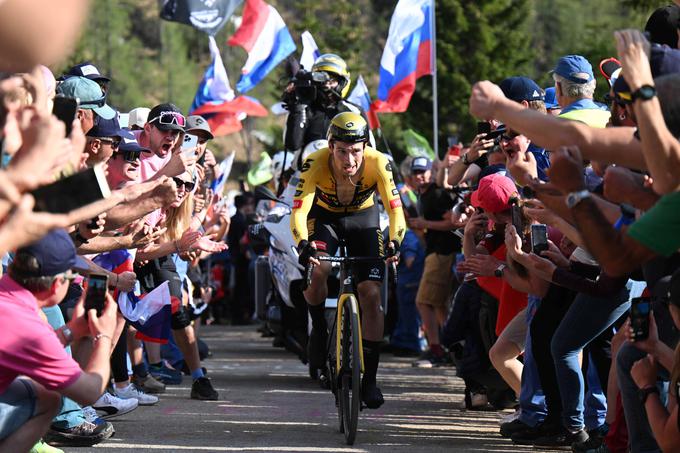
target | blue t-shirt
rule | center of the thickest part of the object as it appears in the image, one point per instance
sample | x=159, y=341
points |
x=411, y=247
x=542, y=160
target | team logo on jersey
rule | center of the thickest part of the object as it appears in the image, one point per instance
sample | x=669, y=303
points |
x=388, y=167
x=396, y=203
x=297, y=204
x=307, y=165
x=395, y=192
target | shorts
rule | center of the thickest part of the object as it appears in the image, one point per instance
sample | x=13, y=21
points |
x=436, y=284
x=17, y=406
x=516, y=330
x=362, y=235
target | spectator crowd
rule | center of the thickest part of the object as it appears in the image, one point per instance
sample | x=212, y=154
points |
x=541, y=259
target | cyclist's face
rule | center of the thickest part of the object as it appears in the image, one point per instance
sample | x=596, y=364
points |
x=347, y=157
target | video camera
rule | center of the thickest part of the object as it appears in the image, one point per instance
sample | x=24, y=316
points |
x=307, y=84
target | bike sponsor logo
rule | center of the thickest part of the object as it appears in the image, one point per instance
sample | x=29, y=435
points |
x=374, y=272
x=396, y=203
x=297, y=204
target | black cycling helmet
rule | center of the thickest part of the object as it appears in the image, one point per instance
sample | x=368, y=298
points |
x=348, y=127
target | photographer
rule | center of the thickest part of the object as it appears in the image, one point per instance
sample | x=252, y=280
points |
x=313, y=99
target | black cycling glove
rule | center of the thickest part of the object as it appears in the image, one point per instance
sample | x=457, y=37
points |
x=306, y=250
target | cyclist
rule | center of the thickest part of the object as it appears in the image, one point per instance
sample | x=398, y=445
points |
x=311, y=111
x=335, y=199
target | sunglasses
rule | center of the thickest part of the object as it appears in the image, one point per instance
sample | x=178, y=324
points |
x=169, y=118
x=509, y=135
x=188, y=185
x=114, y=143
x=129, y=156
x=96, y=102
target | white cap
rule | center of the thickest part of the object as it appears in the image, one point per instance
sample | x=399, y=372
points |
x=138, y=117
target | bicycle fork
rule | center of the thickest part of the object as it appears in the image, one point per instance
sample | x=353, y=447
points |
x=344, y=297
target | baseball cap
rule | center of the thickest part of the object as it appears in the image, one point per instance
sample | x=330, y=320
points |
x=493, y=193
x=663, y=60
x=663, y=24
x=138, y=117
x=551, y=99
x=574, y=68
x=130, y=144
x=55, y=254
x=421, y=164
x=196, y=123
x=167, y=117
x=108, y=128
x=86, y=69
x=521, y=89
x=88, y=93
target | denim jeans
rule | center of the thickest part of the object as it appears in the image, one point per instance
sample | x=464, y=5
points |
x=585, y=320
x=405, y=333
x=70, y=414
x=531, y=399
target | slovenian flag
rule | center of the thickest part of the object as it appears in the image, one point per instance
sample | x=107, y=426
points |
x=214, y=87
x=265, y=37
x=407, y=55
x=362, y=98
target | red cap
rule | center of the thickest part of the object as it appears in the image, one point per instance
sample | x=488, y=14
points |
x=493, y=193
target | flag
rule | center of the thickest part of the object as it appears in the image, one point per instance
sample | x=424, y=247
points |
x=360, y=97
x=150, y=314
x=207, y=16
x=417, y=145
x=261, y=172
x=222, y=173
x=310, y=51
x=407, y=55
x=214, y=87
x=241, y=105
x=265, y=37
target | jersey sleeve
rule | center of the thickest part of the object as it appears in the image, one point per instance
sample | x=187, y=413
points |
x=303, y=200
x=390, y=198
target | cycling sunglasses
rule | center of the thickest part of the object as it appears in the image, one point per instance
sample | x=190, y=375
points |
x=114, y=143
x=169, y=118
x=188, y=185
x=129, y=156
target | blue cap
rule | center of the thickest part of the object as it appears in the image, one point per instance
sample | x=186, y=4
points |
x=421, y=164
x=88, y=70
x=108, y=128
x=521, y=89
x=130, y=144
x=551, y=99
x=55, y=254
x=574, y=68
x=89, y=94
x=663, y=60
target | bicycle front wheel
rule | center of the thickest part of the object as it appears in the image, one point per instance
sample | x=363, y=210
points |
x=350, y=368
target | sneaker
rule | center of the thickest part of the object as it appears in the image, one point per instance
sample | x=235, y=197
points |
x=90, y=414
x=202, y=389
x=371, y=395
x=132, y=392
x=84, y=435
x=511, y=417
x=112, y=406
x=529, y=436
x=316, y=349
x=149, y=384
x=564, y=438
x=512, y=427
x=42, y=447
x=166, y=375
x=428, y=359
x=594, y=443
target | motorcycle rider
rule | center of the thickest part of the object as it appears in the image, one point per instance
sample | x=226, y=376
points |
x=335, y=199
x=313, y=99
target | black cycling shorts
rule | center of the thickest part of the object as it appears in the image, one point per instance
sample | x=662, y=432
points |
x=361, y=232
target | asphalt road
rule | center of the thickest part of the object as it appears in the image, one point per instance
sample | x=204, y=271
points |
x=269, y=404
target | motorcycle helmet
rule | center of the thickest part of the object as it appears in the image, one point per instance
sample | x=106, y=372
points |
x=348, y=127
x=277, y=165
x=336, y=66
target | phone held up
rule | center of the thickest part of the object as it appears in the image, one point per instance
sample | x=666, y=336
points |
x=539, y=238
x=65, y=110
x=640, y=309
x=95, y=298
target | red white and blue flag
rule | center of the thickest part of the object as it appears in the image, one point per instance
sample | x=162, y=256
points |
x=361, y=97
x=407, y=55
x=265, y=37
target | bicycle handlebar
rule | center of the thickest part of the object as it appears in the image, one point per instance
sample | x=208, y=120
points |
x=309, y=269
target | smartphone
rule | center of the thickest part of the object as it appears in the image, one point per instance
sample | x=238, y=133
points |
x=65, y=109
x=95, y=298
x=639, y=317
x=483, y=127
x=539, y=238
x=517, y=219
x=189, y=144
x=72, y=192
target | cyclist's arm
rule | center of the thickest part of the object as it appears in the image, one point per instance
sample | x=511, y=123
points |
x=302, y=203
x=391, y=200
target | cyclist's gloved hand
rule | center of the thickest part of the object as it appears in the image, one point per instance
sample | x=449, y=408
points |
x=306, y=250
x=393, y=249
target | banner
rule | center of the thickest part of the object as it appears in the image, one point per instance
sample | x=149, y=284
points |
x=209, y=16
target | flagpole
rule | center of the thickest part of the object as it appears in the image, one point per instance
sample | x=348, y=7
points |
x=435, y=102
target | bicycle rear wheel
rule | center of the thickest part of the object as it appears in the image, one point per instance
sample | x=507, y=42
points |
x=350, y=368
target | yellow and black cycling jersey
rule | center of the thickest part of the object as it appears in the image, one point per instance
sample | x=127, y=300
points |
x=317, y=186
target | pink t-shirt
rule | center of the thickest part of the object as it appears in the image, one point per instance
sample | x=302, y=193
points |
x=149, y=163
x=28, y=345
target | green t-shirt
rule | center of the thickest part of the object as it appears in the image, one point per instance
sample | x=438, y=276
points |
x=659, y=228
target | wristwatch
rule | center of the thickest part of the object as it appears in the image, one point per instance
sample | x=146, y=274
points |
x=575, y=198
x=644, y=393
x=499, y=270
x=644, y=93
